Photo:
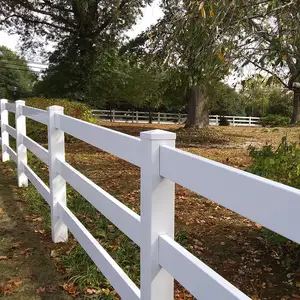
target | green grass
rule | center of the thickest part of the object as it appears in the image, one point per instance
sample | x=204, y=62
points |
x=79, y=267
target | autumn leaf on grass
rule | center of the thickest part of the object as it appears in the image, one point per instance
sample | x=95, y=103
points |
x=40, y=290
x=70, y=288
x=15, y=282
x=5, y=289
x=106, y=291
x=258, y=226
x=3, y=258
x=1, y=210
x=92, y=291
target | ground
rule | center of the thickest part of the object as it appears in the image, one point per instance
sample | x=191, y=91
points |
x=233, y=246
x=27, y=271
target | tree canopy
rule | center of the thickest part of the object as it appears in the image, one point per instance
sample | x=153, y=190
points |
x=14, y=73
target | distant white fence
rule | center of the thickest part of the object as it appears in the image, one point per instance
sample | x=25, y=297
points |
x=269, y=203
x=167, y=118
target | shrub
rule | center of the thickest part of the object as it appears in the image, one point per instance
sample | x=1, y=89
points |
x=281, y=165
x=38, y=131
x=274, y=121
x=223, y=121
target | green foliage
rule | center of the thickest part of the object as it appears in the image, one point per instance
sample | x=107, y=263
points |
x=281, y=165
x=280, y=103
x=38, y=131
x=223, y=121
x=224, y=100
x=274, y=121
x=14, y=72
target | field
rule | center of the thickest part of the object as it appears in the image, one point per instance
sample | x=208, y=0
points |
x=235, y=247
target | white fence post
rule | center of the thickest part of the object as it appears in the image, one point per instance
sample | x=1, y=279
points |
x=4, y=133
x=158, y=118
x=20, y=148
x=113, y=115
x=250, y=121
x=56, y=148
x=137, y=116
x=157, y=216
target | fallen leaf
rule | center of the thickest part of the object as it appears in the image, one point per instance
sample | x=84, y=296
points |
x=15, y=282
x=40, y=290
x=298, y=284
x=3, y=258
x=295, y=296
x=70, y=288
x=258, y=226
x=17, y=244
x=92, y=291
x=106, y=291
x=5, y=288
x=1, y=210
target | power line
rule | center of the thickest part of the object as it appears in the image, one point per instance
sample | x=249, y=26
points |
x=21, y=65
x=18, y=69
x=11, y=62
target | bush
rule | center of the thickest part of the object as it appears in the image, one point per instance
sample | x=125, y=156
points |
x=274, y=121
x=223, y=121
x=38, y=131
x=281, y=165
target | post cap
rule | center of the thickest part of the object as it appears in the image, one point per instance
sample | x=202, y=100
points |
x=55, y=108
x=158, y=134
x=20, y=102
x=3, y=100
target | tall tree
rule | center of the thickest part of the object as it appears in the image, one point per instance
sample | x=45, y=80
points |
x=270, y=40
x=14, y=74
x=81, y=29
x=192, y=40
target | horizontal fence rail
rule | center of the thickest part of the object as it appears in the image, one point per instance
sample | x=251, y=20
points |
x=162, y=260
x=167, y=118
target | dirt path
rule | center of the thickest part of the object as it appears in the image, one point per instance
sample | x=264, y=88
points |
x=26, y=268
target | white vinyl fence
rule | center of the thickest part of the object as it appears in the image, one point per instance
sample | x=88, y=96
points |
x=167, y=118
x=271, y=204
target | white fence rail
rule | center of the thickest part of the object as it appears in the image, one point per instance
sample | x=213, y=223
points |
x=167, y=118
x=273, y=205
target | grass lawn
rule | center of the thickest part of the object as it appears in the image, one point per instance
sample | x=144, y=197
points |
x=233, y=246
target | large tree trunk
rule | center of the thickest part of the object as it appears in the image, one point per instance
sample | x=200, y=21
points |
x=296, y=107
x=197, y=112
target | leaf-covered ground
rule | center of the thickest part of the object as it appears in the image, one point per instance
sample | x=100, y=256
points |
x=232, y=245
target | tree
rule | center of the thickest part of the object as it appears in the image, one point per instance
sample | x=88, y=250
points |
x=270, y=40
x=224, y=100
x=14, y=73
x=193, y=41
x=81, y=30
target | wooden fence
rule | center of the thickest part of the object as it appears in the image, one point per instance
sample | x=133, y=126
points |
x=167, y=118
x=269, y=203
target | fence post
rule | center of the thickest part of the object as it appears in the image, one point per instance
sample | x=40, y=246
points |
x=250, y=121
x=113, y=115
x=158, y=117
x=179, y=117
x=20, y=148
x=4, y=133
x=157, y=216
x=137, y=116
x=233, y=120
x=217, y=120
x=56, y=148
